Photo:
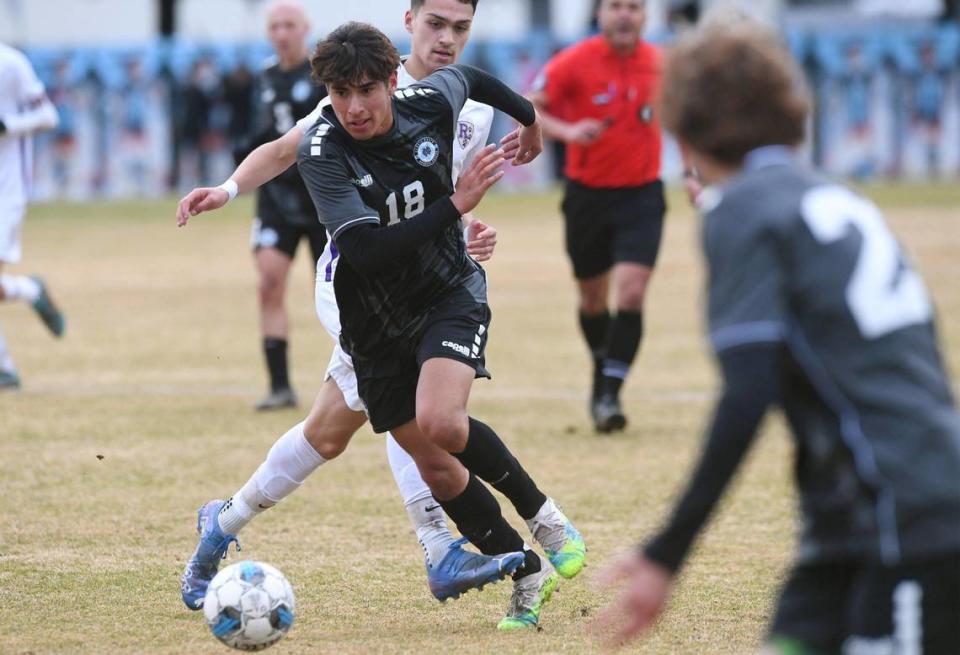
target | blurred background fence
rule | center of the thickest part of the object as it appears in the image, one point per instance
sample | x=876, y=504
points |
x=151, y=108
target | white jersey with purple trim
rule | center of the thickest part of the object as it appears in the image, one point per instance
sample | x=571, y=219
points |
x=473, y=130
x=20, y=91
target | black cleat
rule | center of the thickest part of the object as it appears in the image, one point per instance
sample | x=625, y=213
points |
x=607, y=415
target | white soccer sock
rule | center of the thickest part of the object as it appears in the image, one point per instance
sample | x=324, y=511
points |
x=289, y=462
x=20, y=287
x=6, y=362
x=426, y=516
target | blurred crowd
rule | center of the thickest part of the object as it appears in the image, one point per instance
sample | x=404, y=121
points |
x=166, y=117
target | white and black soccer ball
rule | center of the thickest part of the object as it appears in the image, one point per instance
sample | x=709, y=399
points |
x=249, y=605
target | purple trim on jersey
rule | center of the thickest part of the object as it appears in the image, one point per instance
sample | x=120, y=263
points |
x=334, y=253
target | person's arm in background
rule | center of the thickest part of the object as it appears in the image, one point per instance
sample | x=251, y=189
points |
x=554, y=83
x=38, y=112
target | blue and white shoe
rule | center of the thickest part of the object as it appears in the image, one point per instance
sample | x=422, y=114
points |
x=205, y=560
x=460, y=571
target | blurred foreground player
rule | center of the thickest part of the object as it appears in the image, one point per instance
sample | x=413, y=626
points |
x=24, y=109
x=814, y=307
x=598, y=97
x=284, y=94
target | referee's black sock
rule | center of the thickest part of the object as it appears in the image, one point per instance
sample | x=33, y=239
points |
x=477, y=516
x=595, y=328
x=275, y=351
x=626, y=332
x=488, y=457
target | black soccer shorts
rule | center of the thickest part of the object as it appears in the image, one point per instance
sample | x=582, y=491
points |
x=609, y=226
x=854, y=607
x=455, y=329
x=285, y=236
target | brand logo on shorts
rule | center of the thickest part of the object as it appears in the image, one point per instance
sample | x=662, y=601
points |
x=426, y=151
x=646, y=113
x=464, y=133
x=463, y=350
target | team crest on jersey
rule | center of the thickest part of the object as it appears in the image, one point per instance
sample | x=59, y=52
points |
x=464, y=133
x=426, y=151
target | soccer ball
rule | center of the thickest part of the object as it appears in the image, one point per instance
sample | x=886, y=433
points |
x=249, y=605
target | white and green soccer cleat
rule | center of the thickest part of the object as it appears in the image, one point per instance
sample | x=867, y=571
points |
x=529, y=595
x=562, y=542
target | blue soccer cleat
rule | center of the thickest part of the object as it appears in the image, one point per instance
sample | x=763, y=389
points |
x=48, y=312
x=460, y=571
x=205, y=560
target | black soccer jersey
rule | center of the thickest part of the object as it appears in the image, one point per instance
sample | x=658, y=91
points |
x=391, y=178
x=283, y=97
x=798, y=260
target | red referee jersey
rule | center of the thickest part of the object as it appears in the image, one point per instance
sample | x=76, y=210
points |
x=590, y=80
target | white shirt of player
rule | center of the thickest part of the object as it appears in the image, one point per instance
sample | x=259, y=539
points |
x=22, y=100
x=472, y=131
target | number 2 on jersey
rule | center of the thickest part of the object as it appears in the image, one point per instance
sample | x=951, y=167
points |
x=884, y=294
x=413, y=199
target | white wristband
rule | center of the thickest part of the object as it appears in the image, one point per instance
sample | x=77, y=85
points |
x=231, y=188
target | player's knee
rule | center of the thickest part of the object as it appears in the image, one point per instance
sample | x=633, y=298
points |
x=271, y=288
x=441, y=474
x=328, y=443
x=631, y=299
x=630, y=295
x=444, y=427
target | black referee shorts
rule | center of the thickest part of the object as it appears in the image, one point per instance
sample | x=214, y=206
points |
x=854, y=607
x=609, y=226
x=455, y=329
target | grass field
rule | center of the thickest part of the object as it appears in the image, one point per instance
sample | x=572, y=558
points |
x=143, y=412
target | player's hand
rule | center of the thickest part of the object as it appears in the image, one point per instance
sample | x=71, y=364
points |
x=482, y=173
x=530, y=141
x=693, y=186
x=644, y=587
x=200, y=200
x=481, y=240
x=585, y=131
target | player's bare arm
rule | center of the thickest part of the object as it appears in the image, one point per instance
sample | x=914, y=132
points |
x=258, y=168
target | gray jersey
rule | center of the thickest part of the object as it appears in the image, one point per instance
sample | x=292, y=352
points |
x=796, y=259
x=384, y=180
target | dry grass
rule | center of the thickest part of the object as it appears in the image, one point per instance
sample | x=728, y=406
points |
x=143, y=412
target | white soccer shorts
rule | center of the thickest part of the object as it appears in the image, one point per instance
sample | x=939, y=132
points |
x=11, y=226
x=340, y=367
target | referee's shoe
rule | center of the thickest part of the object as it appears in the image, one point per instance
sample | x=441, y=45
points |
x=607, y=414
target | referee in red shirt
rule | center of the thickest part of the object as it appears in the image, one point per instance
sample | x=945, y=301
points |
x=598, y=97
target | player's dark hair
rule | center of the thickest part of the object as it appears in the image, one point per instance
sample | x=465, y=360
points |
x=354, y=53
x=728, y=89
x=416, y=4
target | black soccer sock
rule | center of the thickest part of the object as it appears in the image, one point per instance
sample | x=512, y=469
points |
x=275, y=351
x=477, y=516
x=626, y=332
x=489, y=458
x=595, y=328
